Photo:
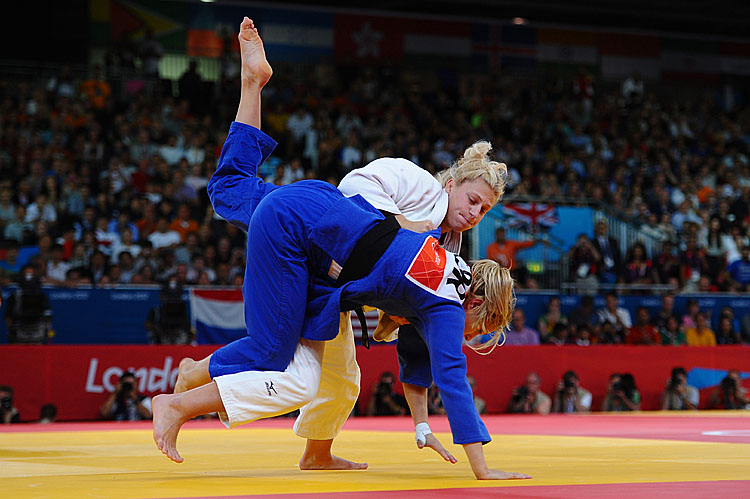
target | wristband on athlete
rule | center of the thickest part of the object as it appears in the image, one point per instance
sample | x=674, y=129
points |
x=422, y=430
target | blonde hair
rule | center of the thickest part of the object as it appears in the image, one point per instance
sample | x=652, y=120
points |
x=476, y=164
x=494, y=284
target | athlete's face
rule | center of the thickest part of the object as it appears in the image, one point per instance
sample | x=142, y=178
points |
x=467, y=204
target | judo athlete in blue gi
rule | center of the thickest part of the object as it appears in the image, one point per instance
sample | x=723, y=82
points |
x=311, y=253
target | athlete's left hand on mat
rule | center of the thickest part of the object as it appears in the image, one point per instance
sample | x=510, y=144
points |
x=433, y=443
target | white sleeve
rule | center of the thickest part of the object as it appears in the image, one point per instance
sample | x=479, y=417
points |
x=395, y=185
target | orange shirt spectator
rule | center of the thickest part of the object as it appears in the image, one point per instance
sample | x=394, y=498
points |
x=96, y=88
x=183, y=224
x=504, y=251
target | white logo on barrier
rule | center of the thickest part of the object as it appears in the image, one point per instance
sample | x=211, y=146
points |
x=150, y=379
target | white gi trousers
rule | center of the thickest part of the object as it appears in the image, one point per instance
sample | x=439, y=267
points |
x=322, y=381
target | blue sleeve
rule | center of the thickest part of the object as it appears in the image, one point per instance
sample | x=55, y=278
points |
x=234, y=189
x=443, y=328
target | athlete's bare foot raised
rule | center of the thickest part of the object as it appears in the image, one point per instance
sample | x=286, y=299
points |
x=255, y=67
x=329, y=462
x=167, y=422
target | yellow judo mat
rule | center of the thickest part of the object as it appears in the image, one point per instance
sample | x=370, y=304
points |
x=121, y=461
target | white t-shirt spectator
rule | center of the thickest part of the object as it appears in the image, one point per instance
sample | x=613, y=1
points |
x=164, y=239
x=58, y=270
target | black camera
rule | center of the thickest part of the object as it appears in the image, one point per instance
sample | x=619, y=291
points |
x=384, y=388
x=6, y=403
x=675, y=382
x=568, y=384
x=521, y=393
x=729, y=384
x=127, y=387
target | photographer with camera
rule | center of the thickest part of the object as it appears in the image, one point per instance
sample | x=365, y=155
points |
x=529, y=399
x=570, y=397
x=125, y=403
x=622, y=394
x=730, y=394
x=8, y=413
x=678, y=395
x=384, y=401
x=27, y=311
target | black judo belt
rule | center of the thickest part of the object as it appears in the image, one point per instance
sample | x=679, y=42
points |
x=363, y=258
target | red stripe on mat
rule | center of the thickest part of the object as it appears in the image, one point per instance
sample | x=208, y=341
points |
x=678, y=490
x=721, y=428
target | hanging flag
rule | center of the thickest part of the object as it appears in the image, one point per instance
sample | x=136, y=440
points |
x=534, y=215
x=218, y=315
x=567, y=47
x=623, y=54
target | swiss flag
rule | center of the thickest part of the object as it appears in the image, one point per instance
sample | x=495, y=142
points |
x=428, y=267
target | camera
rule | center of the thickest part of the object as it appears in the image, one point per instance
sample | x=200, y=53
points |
x=384, y=388
x=675, y=382
x=127, y=387
x=728, y=384
x=568, y=384
x=6, y=403
x=521, y=393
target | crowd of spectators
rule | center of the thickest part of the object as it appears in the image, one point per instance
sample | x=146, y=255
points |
x=103, y=181
x=613, y=325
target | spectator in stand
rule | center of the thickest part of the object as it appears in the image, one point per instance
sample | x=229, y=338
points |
x=638, y=269
x=700, y=335
x=671, y=333
x=570, y=396
x=714, y=244
x=643, y=333
x=520, y=333
x=552, y=316
x=616, y=316
x=584, y=261
x=622, y=394
x=607, y=247
x=529, y=399
x=690, y=319
x=125, y=243
x=667, y=265
x=726, y=334
x=585, y=314
x=739, y=271
x=96, y=89
x=693, y=264
x=560, y=335
x=678, y=395
x=105, y=240
x=384, y=401
x=184, y=223
x=504, y=250
x=666, y=311
x=56, y=267
x=163, y=237
x=633, y=89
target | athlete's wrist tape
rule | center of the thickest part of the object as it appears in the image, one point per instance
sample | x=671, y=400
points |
x=422, y=430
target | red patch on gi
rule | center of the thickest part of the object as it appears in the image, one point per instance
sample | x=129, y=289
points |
x=428, y=267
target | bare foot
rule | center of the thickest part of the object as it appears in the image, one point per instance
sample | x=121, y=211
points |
x=255, y=67
x=167, y=422
x=503, y=475
x=329, y=462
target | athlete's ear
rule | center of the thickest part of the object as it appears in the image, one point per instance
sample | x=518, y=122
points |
x=474, y=302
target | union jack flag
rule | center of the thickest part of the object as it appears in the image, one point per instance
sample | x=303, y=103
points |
x=531, y=214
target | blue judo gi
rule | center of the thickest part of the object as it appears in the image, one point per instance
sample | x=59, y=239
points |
x=294, y=232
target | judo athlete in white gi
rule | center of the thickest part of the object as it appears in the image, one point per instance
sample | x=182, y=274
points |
x=297, y=234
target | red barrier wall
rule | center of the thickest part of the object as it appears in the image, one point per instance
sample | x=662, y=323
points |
x=77, y=378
